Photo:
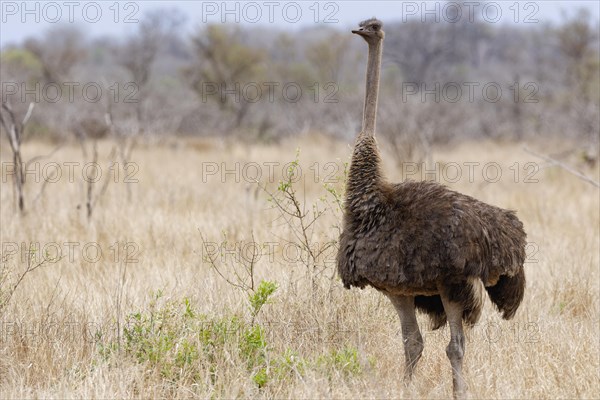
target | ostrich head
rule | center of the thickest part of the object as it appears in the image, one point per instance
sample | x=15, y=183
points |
x=370, y=30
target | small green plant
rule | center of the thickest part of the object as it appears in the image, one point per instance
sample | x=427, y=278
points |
x=253, y=346
x=301, y=217
x=187, y=353
x=337, y=191
x=344, y=360
x=289, y=364
x=166, y=336
x=260, y=297
x=171, y=338
x=260, y=377
x=105, y=347
x=178, y=342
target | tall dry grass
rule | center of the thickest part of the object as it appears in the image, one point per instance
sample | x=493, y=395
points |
x=150, y=317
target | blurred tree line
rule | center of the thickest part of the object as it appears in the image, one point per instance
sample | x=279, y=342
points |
x=440, y=81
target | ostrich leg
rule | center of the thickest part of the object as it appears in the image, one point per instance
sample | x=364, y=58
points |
x=456, y=348
x=411, y=336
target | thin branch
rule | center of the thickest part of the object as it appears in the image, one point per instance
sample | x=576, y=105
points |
x=41, y=192
x=39, y=158
x=90, y=183
x=213, y=264
x=112, y=157
x=27, y=115
x=30, y=268
x=10, y=127
x=564, y=166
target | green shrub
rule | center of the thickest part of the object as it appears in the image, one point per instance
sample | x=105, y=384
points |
x=175, y=340
x=344, y=360
x=261, y=296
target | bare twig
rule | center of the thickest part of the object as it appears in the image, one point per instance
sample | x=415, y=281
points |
x=112, y=161
x=28, y=114
x=241, y=284
x=90, y=183
x=564, y=166
x=44, y=157
x=43, y=188
x=31, y=266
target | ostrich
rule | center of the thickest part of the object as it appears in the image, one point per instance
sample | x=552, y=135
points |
x=424, y=246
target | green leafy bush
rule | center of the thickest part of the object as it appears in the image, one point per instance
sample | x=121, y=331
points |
x=260, y=297
x=344, y=360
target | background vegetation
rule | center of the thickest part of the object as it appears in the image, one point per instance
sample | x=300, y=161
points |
x=173, y=241
x=230, y=80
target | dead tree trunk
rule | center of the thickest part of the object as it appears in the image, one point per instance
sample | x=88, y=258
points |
x=14, y=130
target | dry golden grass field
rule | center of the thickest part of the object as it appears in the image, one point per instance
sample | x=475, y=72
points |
x=192, y=280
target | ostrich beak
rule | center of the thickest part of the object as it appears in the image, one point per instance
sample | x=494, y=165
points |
x=358, y=32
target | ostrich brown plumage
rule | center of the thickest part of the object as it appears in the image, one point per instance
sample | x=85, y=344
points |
x=426, y=247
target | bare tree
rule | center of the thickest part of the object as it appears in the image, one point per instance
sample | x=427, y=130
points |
x=224, y=65
x=62, y=48
x=329, y=57
x=14, y=130
x=138, y=53
x=578, y=43
x=88, y=132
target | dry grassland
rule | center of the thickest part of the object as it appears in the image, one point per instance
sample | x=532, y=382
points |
x=149, y=316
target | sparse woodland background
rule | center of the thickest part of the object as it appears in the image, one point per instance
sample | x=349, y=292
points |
x=555, y=68
x=218, y=285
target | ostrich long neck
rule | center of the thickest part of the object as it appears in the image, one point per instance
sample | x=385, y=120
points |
x=373, y=70
x=364, y=177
